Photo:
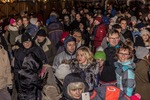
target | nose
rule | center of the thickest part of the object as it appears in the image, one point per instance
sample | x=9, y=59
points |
x=78, y=92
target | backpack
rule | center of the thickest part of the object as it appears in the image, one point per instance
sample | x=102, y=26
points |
x=108, y=92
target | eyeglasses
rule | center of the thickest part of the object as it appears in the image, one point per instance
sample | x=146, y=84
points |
x=125, y=54
x=114, y=38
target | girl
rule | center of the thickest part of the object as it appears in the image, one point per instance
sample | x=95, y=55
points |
x=146, y=37
x=124, y=70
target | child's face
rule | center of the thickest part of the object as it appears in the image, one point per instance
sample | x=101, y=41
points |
x=81, y=57
x=100, y=61
x=123, y=55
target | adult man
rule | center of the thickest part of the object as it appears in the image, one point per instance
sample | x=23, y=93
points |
x=47, y=46
x=113, y=39
x=28, y=64
x=68, y=53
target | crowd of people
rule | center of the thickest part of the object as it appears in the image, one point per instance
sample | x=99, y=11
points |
x=88, y=52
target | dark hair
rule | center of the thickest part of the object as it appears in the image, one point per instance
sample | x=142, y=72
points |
x=126, y=47
x=116, y=26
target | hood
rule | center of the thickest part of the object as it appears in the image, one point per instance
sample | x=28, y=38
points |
x=70, y=78
x=12, y=28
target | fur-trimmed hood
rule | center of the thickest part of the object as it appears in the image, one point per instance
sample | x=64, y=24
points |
x=12, y=28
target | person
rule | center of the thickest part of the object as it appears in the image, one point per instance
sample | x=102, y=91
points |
x=27, y=65
x=5, y=74
x=141, y=72
x=124, y=70
x=86, y=66
x=68, y=53
x=46, y=45
x=73, y=87
x=145, y=37
x=113, y=44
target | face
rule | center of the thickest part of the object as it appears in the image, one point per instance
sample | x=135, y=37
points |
x=25, y=21
x=71, y=46
x=78, y=17
x=145, y=37
x=100, y=61
x=78, y=36
x=96, y=22
x=19, y=22
x=27, y=44
x=134, y=23
x=123, y=24
x=113, y=39
x=123, y=55
x=76, y=93
x=81, y=57
x=40, y=38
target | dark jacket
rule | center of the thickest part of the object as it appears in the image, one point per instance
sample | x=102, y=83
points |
x=70, y=78
x=49, y=49
x=27, y=67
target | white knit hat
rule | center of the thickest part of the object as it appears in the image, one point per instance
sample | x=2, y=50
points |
x=33, y=20
x=62, y=71
x=141, y=52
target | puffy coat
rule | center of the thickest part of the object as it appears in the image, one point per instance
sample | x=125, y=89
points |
x=99, y=35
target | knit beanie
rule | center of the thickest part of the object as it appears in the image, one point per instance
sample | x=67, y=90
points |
x=62, y=71
x=69, y=39
x=41, y=32
x=136, y=97
x=26, y=37
x=133, y=18
x=141, y=52
x=33, y=20
x=99, y=19
x=12, y=20
x=100, y=55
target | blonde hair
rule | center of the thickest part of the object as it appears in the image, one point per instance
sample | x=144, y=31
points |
x=87, y=52
x=75, y=85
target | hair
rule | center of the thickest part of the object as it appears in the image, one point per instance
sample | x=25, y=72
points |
x=125, y=47
x=116, y=26
x=145, y=31
x=87, y=53
x=129, y=43
x=123, y=19
x=76, y=30
x=26, y=18
x=111, y=32
x=75, y=85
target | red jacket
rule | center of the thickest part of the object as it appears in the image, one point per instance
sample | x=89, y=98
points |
x=100, y=34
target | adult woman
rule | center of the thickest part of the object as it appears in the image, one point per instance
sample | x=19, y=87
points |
x=141, y=76
x=85, y=65
x=124, y=71
x=73, y=87
x=145, y=34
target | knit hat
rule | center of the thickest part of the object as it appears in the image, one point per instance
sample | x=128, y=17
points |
x=141, y=52
x=33, y=20
x=133, y=18
x=136, y=97
x=69, y=39
x=62, y=71
x=63, y=36
x=100, y=55
x=12, y=20
x=145, y=31
x=99, y=19
x=26, y=37
x=41, y=32
x=140, y=25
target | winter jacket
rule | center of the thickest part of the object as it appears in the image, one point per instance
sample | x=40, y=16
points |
x=12, y=34
x=127, y=34
x=88, y=72
x=49, y=49
x=62, y=56
x=27, y=67
x=141, y=78
x=71, y=78
x=5, y=69
x=125, y=76
x=99, y=34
